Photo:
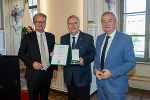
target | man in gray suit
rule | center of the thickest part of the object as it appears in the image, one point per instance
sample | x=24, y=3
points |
x=78, y=76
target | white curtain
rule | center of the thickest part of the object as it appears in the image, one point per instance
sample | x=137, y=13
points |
x=26, y=18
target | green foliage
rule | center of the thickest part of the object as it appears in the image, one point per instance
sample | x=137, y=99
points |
x=26, y=30
x=134, y=39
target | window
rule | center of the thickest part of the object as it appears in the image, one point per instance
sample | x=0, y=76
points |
x=1, y=28
x=1, y=15
x=136, y=15
x=32, y=7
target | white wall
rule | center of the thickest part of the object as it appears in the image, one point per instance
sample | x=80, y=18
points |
x=58, y=11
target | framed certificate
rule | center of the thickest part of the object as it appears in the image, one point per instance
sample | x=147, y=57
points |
x=60, y=54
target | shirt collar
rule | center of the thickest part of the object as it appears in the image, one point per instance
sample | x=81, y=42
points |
x=75, y=35
x=38, y=33
x=112, y=34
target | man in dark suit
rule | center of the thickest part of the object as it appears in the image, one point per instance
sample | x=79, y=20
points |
x=114, y=58
x=35, y=52
x=78, y=76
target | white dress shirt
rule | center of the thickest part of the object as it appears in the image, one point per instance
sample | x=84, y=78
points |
x=109, y=43
x=71, y=39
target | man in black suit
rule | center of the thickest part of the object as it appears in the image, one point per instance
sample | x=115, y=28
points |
x=35, y=52
x=78, y=76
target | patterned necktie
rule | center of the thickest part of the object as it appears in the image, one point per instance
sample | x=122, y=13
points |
x=43, y=53
x=103, y=52
x=73, y=42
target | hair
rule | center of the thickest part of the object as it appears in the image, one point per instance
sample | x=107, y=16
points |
x=112, y=13
x=73, y=16
x=41, y=15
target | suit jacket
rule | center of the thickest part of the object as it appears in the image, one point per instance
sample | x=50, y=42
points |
x=120, y=59
x=29, y=52
x=81, y=74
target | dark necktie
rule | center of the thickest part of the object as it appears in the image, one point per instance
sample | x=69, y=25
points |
x=103, y=52
x=73, y=42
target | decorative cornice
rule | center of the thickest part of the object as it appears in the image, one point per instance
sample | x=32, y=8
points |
x=1, y=28
x=91, y=22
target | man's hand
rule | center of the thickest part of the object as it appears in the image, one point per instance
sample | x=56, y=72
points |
x=54, y=73
x=98, y=74
x=81, y=62
x=106, y=74
x=37, y=65
x=51, y=54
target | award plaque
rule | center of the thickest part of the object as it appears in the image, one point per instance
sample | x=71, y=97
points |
x=75, y=57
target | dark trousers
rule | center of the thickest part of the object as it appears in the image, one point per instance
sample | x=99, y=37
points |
x=40, y=86
x=75, y=93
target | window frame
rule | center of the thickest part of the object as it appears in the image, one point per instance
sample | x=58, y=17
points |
x=1, y=16
x=147, y=28
x=32, y=7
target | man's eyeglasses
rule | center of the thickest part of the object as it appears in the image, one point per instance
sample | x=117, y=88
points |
x=104, y=21
x=40, y=22
x=75, y=23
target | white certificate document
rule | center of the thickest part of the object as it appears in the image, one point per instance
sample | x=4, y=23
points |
x=60, y=54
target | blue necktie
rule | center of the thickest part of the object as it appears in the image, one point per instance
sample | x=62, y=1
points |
x=73, y=42
x=103, y=52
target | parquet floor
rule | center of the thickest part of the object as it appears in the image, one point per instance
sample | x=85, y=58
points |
x=133, y=94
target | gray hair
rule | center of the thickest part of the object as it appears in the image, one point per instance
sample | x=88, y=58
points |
x=112, y=13
x=41, y=15
x=73, y=16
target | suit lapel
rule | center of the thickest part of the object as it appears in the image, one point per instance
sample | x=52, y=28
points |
x=79, y=41
x=36, y=45
x=99, y=46
x=113, y=45
x=35, y=41
x=68, y=39
x=48, y=41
